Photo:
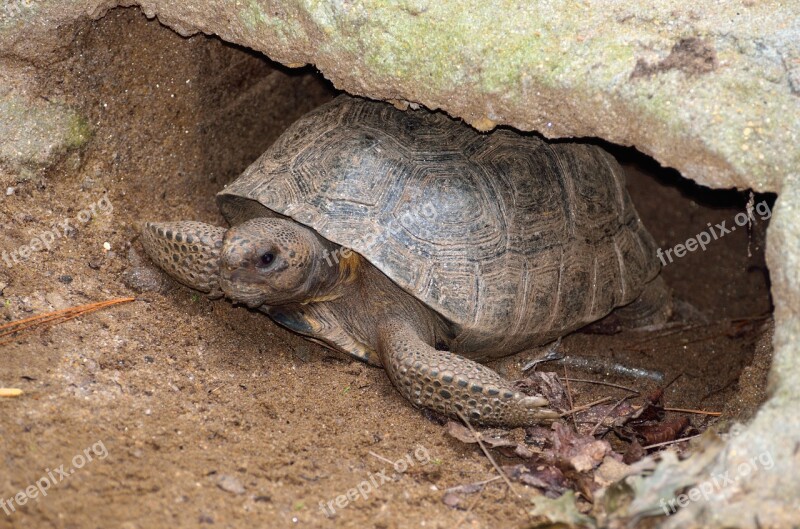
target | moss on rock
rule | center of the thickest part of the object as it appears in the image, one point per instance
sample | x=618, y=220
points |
x=36, y=133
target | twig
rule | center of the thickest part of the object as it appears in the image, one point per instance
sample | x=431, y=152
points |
x=688, y=328
x=373, y=454
x=602, y=383
x=663, y=388
x=569, y=398
x=603, y=418
x=10, y=392
x=585, y=407
x=699, y=412
x=648, y=447
x=471, y=506
x=476, y=484
x=487, y=454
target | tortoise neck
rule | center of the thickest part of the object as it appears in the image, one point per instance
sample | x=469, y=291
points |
x=337, y=270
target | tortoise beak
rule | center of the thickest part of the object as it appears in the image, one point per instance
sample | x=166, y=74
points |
x=237, y=287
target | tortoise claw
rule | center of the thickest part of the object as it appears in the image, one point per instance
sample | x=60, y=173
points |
x=533, y=402
x=188, y=251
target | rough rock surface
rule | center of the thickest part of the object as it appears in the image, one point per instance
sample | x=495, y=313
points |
x=35, y=132
x=712, y=89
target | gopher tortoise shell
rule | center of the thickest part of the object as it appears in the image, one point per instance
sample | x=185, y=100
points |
x=411, y=241
x=512, y=239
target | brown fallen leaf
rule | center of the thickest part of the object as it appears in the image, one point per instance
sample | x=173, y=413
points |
x=460, y=432
x=539, y=436
x=580, y=452
x=611, y=471
x=663, y=432
x=634, y=453
x=454, y=501
x=548, y=385
x=519, y=450
x=454, y=497
x=560, y=512
x=546, y=477
x=463, y=434
x=599, y=419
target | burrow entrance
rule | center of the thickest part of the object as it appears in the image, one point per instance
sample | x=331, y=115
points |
x=211, y=413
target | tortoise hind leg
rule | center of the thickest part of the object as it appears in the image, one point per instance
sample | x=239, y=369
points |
x=653, y=307
x=188, y=251
x=451, y=384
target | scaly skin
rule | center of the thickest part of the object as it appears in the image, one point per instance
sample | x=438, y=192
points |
x=452, y=384
x=380, y=321
x=188, y=251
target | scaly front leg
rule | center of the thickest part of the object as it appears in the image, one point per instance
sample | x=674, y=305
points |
x=452, y=384
x=188, y=251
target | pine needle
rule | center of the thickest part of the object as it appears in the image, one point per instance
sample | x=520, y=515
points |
x=573, y=411
x=665, y=443
x=488, y=454
x=601, y=383
x=12, y=329
x=699, y=412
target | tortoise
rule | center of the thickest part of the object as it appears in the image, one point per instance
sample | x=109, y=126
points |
x=410, y=241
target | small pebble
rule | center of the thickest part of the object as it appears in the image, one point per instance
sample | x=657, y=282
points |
x=106, y=246
x=66, y=279
x=144, y=279
x=230, y=484
x=90, y=365
x=10, y=191
x=302, y=353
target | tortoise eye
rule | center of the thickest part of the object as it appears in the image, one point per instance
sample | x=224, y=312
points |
x=266, y=259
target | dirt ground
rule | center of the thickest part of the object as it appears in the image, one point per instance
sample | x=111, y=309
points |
x=203, y=413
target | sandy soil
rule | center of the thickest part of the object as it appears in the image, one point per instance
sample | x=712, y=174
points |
x=202, y=413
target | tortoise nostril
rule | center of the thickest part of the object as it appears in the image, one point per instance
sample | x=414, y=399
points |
x=228, y=267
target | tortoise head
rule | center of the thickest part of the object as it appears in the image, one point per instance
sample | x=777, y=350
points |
x=269, y=261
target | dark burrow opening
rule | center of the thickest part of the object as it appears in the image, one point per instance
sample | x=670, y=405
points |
x=716, y=352
x=174, y=119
